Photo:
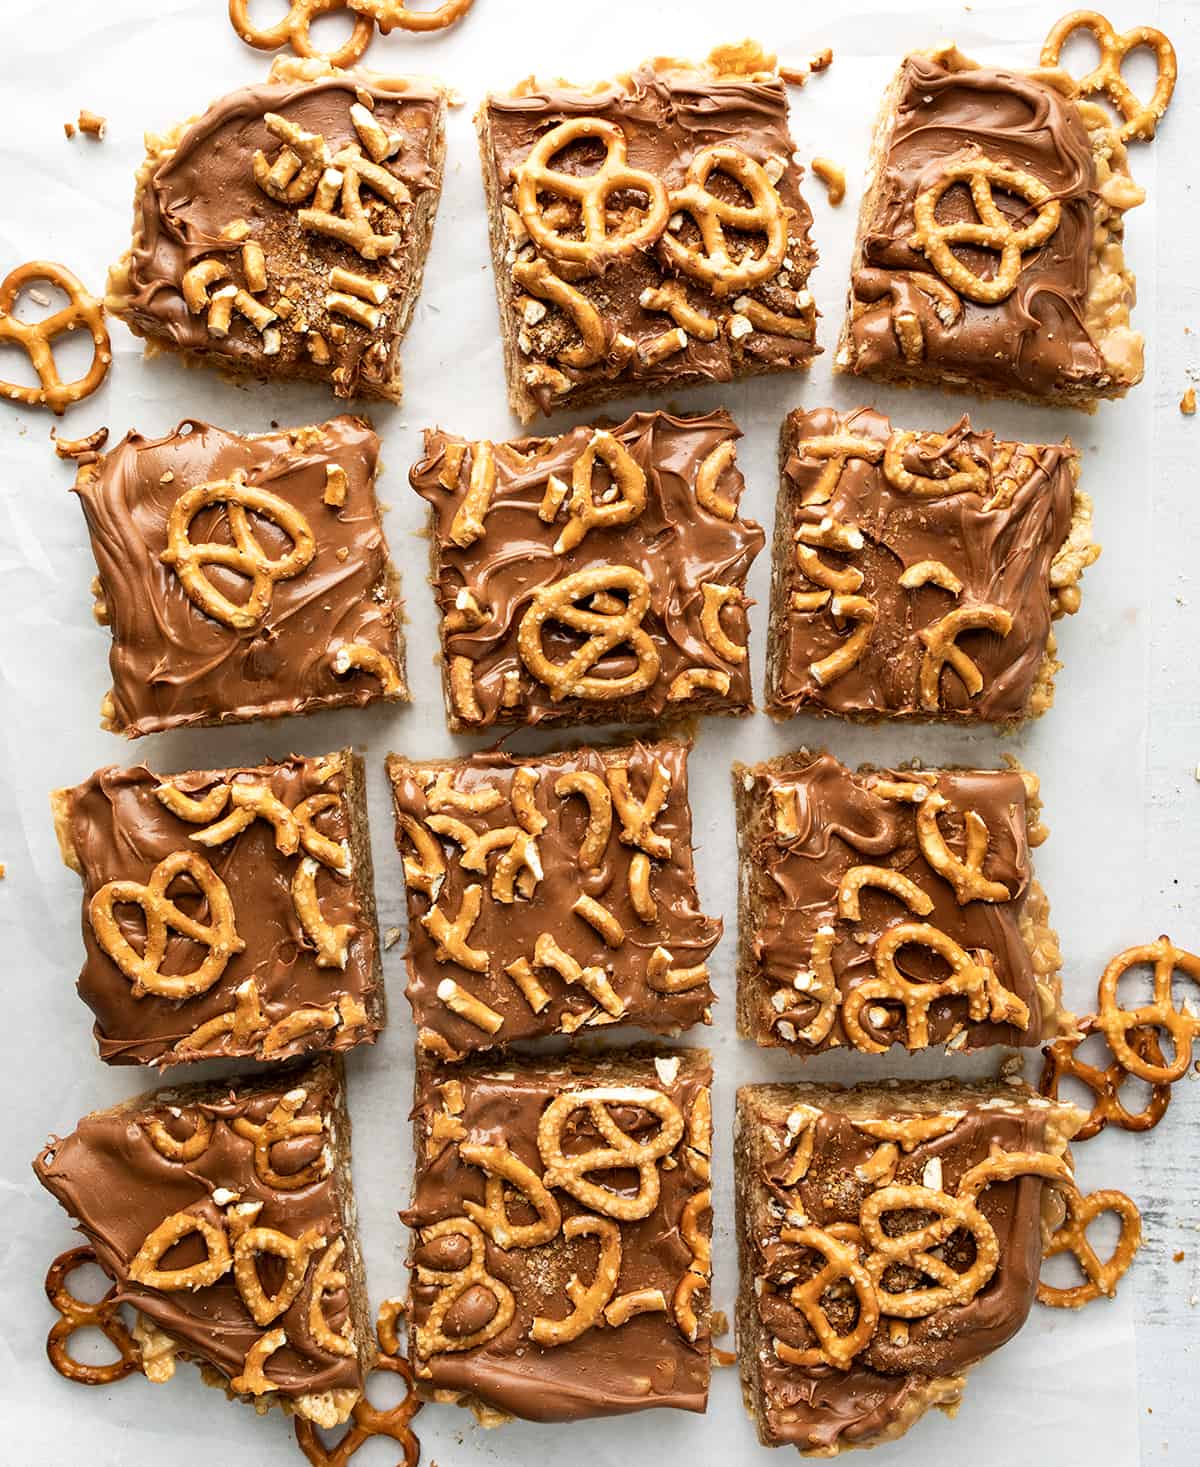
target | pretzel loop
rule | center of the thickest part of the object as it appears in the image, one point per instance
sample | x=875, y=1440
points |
x=1118, y=1023
x=592, y=193
x=1141, y=118
x=993, y=230
x=711, y=262
x=841, y=1262
x=293, y=29
x=1105, y=1083
x=218, y=934
x=606, y=626
x=245, y=555
x=623, y=1151
x=1071, y=1237
x=390, y=14
x=914, y=1246
x=35, y=337
x=77, y=1314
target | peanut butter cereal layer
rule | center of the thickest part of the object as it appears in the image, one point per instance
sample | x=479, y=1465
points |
x=892, y=907
x=283, y=233
x=989, y=255
x=890, y=1238
x=562, y=1230
x=647, y=233
x=226, y=913
x=224, y=1214
x=550, y=895
x=242, y=577
x=597, y=577
x=917, y=575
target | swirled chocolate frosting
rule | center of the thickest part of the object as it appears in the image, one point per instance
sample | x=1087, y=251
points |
x=594, y=950
x=531, y=1314
x=833, y=1140
x=273, y=990
x=526, y=639
x=818, y=921
x=267, y=1155
x=979, y=522
x=175, y=661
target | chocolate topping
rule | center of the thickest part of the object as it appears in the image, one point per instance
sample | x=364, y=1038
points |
x=607, y=1369
x=804, y=823
x=668, y=112
x=900, y=1372
x=114, y=828
x=112, y=1176
x=193, y=191
x=1039, y=340
x=667, y=551
x=568, y=869
x=173, y=662
x=997, y=537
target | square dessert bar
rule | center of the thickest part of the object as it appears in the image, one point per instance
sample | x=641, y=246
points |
x=916, y=575
x=224, y=1215
x=242, y=578
x=226, y=913
x=597, y=577
x=647, y=233
x=562, y=1232
x=587, y=914
x=989, y=251
x=889, y=1238
x=283, y=234
x=891, y=907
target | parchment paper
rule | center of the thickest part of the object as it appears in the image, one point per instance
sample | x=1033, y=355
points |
x=1065, y=1389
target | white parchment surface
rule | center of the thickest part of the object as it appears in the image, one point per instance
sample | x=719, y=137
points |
x=1065, y=1391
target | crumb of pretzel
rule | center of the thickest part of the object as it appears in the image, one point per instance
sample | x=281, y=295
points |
x=92, y=124
x=797, y=76
x=1187, y=403
x=84, y=450
x=69, y=129
x=833, y=177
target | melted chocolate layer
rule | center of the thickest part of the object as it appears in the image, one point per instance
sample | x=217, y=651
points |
x=115, y=829
x=997, y=540
x=1036, y=341
x=804, y=823
x=668, y=112
x=112, y=1176
x=174, y=664
x=509, y=931
x=904, y=1370
x=608, y=1369
x=206, y=181
x=673, y=546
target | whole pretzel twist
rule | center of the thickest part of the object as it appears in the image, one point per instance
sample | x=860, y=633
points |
x=591, y=192
x=1141, y=118
x=993, y=231
x=35, y=336
x=77, y=1314
x=1071, y=1237
x=293, y=30
x=1105, y=1083
x=367, y=1421
x=711, y=262
x=622, y=1151
x=390, y=15
x=245, y=555
x=1118, y=1023
x=841, y=1262
x=607, y=624
x=219, y=934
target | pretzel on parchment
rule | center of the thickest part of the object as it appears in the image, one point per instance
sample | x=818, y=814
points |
x=35, y=337
x=1141, y=118
x=293, y=29
x=76, y=1314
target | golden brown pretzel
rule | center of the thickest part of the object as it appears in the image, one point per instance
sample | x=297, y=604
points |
x=711, y=262
x=841, y=1262
x=604, y=629
x=293, y=30
x=390, y=15
x=1141, y=118
x=1118, y=1023
x=77, y=1314
x=1105, y=1084
x=366, y=1420
x=1071, y=1237
x=35, y=336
